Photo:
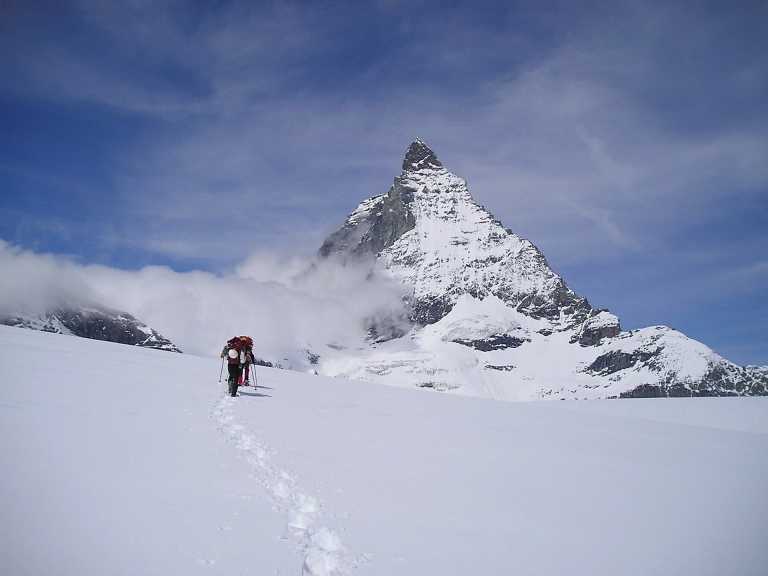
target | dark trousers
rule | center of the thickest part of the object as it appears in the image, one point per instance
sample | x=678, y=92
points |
x=234, y=378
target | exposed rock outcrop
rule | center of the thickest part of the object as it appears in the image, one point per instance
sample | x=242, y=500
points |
x=616, y=360
x=721, y=379
x=94, y=323
x=495, y=342
x=601, y=324
x=374, y=226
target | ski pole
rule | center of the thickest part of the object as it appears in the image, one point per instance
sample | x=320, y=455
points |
x=253, y=371
x=222, y=369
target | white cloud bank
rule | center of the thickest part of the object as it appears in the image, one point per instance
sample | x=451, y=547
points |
x=286, y=304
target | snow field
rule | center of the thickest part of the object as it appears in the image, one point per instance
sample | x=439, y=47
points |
x=112, y=464
x=455, y=485
x=119, y=460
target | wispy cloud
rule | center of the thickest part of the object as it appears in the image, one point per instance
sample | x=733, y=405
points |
x=288, y=307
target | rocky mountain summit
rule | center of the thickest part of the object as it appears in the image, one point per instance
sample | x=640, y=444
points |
x=432, y=236
x=489, y=317
x=97, y=323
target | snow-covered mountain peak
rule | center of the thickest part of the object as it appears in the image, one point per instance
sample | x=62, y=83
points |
x=419, y=156
x=431, y=235
x=490, y=317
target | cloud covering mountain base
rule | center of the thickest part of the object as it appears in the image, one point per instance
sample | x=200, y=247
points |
x=287, y=304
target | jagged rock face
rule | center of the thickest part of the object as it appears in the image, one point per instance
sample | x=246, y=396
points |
x=375, y=225
x=491, y=318
x=602, y=324
x=721, y=379
x=419, y=156
x=495, y=342
x=433, y=237
x=97, y=324
x=616, y=360
x=728, y=379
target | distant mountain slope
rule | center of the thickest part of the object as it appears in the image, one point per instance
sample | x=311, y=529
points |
x=464, y=271
x=97, y=323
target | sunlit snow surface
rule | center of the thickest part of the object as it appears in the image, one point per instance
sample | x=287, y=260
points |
x=119, y=460
x=546, y=365
x=456, y=243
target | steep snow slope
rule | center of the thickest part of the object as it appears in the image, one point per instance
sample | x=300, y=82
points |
x=527, y=334
x=120, y=460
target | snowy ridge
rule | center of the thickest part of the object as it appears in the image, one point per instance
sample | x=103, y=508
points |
x=491, y=318
x=98, y=323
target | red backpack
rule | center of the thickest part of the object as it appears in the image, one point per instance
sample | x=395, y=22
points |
x=235, y=343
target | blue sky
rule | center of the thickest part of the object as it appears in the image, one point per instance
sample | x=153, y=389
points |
x=628, y=140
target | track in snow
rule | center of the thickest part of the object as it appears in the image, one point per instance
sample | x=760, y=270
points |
x=323, y=552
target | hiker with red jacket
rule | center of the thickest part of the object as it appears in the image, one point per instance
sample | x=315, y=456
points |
x=234, y=352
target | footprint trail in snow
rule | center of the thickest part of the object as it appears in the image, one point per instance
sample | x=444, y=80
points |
x=323, y=552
